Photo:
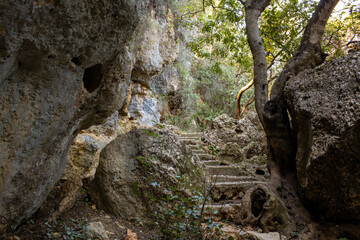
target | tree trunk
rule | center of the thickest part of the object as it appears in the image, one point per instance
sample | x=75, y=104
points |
x=273, y=114
x=253, y=10
x=281, y=138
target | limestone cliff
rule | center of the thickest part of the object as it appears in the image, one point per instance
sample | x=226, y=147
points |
x=64, y=66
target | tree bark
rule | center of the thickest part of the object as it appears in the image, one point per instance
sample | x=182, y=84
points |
x=253, y=10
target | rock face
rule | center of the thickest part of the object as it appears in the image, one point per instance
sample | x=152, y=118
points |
x=225, y=129
x=83, y=159
x=239, y=142
x=138, y=163
x=64, y=66
x=154, y=48
x=84, y=153
x=325, y=107
x=144, y=107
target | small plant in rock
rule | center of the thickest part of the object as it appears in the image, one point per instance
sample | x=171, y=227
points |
x=177, y=206
x=71, y=230
x=182, y=215
x=214, y=150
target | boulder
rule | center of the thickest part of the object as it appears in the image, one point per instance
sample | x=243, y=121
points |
x=230, y=153
x=84, y=153
x=325, y=108
x=83, y=159
x=140, y=167
x=64, y=66
x=239, y=142
x=97, y=231
x=226, y=129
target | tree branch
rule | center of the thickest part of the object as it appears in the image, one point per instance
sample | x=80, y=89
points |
x=194, y=13
x=246, y=105
x=309, y=53
x=242, y=90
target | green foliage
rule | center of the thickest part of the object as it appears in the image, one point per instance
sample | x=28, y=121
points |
x=343, y=29
x=221, y=34
x=282, y=25
x=181, y=214
x=214, y=150
x=178, y=208
x=224, y=62
x=208, y=90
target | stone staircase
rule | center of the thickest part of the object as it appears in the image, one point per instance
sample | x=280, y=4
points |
x=226, y=183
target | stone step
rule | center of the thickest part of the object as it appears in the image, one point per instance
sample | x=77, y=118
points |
x=191, y=138
x=199, y=151
x=213, y=171
x=226, y=211
x=194, y=147
x=210, y=162
x=189, y=141
x=191, y=135
x=205, y=156
x=231, y=190
x=229, y=178
x=242, y=185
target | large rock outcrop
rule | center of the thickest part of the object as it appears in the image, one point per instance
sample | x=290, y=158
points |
x=83, y=159
x=325, y=107
x=139, y=166
x=239, y=142
x=154, y=47
x=64, y=66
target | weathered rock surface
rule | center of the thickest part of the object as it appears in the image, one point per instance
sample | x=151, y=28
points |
x=225, y=129
x=325, y=107
x=64, y=66
x=144, y=107
x=83, y=159
x=140, y=162
x=97, y=231
x=84, y=153
x=154, y=48
x=263, y=208
x=241, y=143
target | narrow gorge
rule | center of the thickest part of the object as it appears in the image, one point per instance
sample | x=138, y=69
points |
x=116, y=123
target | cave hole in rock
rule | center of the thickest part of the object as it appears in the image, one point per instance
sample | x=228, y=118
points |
x=258, y=198
x=76, y=61
x=260, y=172
x=92, y=77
